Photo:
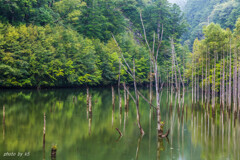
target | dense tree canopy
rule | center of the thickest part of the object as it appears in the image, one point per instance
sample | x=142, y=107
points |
x=69, y=42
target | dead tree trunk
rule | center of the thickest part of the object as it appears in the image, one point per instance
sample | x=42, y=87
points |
x=195, y=94
x=87, y=96
x=125, y=96
x=113, y=98
x=206, y=79
x=227, y=85
x=235, y=83
x=132, y=74
x=90, y=105
x=119, y=85
x=202, y=80
x=220, y=86
x=238, y=80
x=214, y=84
x=223, y=81
x=192, y=81
x=137, y=100
x=179, y=72
x=175, y=73
x=230, y=79
x=198, y=86
x=44, y=129
x=209, y=87
x=154, y=57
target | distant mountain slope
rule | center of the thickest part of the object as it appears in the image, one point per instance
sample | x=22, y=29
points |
x=201, y=12
x=181, y=3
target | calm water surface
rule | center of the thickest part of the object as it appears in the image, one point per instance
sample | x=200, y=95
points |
x=194, y=133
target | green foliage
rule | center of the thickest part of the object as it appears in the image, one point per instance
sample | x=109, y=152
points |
x=215, y=48
x=201, y=13
x=46, y=43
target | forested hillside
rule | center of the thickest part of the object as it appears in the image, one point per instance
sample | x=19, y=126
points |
x=202, y=12
x=56, y=43
x=181, y=3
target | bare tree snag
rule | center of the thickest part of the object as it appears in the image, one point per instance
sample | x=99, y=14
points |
x=235, y=83
x=125, y=96
x=87, y=96
x=132, y=74
x=90, y=105
x=154, y=58
x=44, y=129
x=119, y=85
x=230, y=79
x=127, y=88
x=89, y=125
x=137, y=100
x=113, y=98
x=238, y=80
x=223, y=81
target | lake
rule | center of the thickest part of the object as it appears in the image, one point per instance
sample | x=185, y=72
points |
x=194, y=133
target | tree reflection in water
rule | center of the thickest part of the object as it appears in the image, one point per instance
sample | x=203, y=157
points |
x=194, y=132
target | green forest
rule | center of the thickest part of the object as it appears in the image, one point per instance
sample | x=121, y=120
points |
x=66, y=43
x=69, y=43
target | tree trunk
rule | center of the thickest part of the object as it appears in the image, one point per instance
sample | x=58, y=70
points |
x=214, y=84
x=195, y=94
x=209, y=86
x=206, y=80
x=213, y=92
x=87, y=97
x=235, y=82
x=167, y=85
x=119, y=85
x=238, y=80
x=113, y=98
x=127, y=99
x=125, y=96
x=192, y=81
x=198, y=90
x=223, y=85
x=230, y=79
x=137, y=100
x=44, y=129
x=179, y=72
x=90, y=105
x=227, y=84
x=176, y=81
x=151, y=85
x=220, y=86
x=202, y=80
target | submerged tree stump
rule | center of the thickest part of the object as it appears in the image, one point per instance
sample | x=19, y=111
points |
x=53, y=152
x=160, y=132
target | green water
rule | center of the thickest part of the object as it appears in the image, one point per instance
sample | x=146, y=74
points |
x=194, y=134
